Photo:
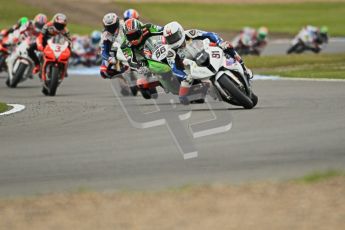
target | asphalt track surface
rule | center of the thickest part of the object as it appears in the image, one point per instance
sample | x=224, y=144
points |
x=279, y=47
x=82, y=139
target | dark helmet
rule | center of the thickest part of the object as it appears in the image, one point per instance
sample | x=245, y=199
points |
x=133, y=31
x=60, y=21
x=39, y=21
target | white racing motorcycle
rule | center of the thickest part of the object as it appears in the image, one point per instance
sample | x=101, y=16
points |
x=205, y=62
x=19, y=64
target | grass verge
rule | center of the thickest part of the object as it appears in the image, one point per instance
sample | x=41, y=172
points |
x=285, y=205
x=3, y=107
x=11, y=11
x=320, y=176
x=302, y=66
x=287, y=18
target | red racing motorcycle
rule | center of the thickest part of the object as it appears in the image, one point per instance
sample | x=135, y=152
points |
x=55, y=63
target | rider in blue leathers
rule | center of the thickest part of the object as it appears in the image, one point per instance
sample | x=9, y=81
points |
x=194, y=34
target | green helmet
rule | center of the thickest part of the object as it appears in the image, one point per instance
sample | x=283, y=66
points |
x=262, y=33
x=324, y=30
x=23, y=20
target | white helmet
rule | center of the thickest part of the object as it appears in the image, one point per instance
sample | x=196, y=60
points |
x=111, y=22
x=174, y=34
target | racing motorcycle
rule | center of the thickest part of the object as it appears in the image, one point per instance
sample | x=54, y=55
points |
x=5, y=51
x=205, y=62
x=55, y=62
x=302, y=44
x=19, y=64
x=245, y=46
x=157, y=72
x=145, y=79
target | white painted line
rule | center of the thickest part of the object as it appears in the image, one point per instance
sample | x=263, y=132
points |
x=312, y=79
x=84, y=71
x=268, y=77
x=16, y=108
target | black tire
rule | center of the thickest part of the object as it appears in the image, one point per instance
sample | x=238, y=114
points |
x=154, y=93
x=255, y=99
x=134, y=90
x=17, y=76
x=45, y=91
x=235, y=92
x=293, y=48
x=2, y=62
x=54, y=80
x=146, y=93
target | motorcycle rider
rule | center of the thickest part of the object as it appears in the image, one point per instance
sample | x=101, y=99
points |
x=313, y=37
x=136, y=34
x=176, y=37
x=52, y=28
x=96, y=39
x=112, y=34
x=256, y=39
x=20, y=22
x=130, y=13
x=31, y=28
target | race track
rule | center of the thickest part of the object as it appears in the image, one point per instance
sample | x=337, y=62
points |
x=280, y=46
x=82, y=139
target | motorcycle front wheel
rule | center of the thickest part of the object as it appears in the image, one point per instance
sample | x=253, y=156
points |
x=54, y=80
x=235, y=92
x=17, y=75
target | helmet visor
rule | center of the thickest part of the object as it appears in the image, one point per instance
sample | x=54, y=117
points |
x=133, y=36
x=59, y=26
x=173, y=38
x=38, y=25
x=112, y=28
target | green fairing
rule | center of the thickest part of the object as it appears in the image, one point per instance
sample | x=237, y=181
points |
x=158, y=67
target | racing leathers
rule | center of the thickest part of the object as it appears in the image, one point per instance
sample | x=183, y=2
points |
x=135, y=53
x=311, y=37
x=176, y=63
x=249, y=38
x=48, y=31
x=108, y=41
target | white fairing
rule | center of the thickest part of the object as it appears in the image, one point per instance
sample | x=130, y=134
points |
x=160, y=53
x=20, y=55
x=217, y=60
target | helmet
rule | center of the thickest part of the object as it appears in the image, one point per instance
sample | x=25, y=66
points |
x=133, y=31
x=111, y=23
x=262, y=33
x=174, y=34
x=323, y=35
x=96, y=37
x=130, y=13
x=324, y=30
x=39, y=21
x=60, y=21
x=22, y=21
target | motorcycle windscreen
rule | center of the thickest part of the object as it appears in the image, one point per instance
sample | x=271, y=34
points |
x=158, y=67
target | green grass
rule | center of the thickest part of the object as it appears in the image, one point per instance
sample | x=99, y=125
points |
x=11, y=11
x=320, y=176
x=3, y=107
x=303, y=66
x=279, y=18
